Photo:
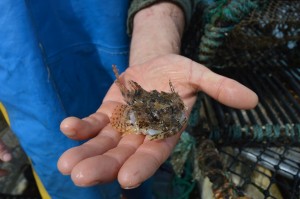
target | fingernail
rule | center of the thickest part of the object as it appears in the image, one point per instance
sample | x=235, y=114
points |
x=70, y=134
x=6, y=157
x=132, y=187
x=79, y=175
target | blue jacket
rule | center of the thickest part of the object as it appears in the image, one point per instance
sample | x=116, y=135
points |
x=55, y=61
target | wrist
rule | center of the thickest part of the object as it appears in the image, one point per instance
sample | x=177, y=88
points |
x=157, y=30
x=162, y=10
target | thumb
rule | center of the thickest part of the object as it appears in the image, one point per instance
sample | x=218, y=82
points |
x=225, y=90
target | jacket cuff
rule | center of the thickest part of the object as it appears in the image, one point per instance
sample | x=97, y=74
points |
x=137, y=5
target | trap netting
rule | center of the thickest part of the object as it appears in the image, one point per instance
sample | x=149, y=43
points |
x=234, y=33
x=245, y=153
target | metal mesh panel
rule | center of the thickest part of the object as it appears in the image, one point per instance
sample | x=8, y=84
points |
x=253, y=30
x=269, y=33
x=275, y=119
x=258, y=150
x=264, y=154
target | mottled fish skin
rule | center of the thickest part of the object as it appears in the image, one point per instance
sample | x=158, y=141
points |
x=156, y=114
x=120, y=121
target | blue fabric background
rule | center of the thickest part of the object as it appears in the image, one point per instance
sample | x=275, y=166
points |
x=55, y=61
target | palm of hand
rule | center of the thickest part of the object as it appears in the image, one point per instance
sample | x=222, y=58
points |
x=132, y=158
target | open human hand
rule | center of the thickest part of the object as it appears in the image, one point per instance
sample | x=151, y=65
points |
x=132, y=159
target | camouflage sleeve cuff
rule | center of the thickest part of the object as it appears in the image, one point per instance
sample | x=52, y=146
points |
x=137, y=5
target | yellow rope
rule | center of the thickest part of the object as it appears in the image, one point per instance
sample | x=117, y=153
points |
x=2, y=109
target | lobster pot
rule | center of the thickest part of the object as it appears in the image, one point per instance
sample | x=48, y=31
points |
x=257, y=44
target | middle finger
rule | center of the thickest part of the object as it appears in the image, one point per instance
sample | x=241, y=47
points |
x=104, y=168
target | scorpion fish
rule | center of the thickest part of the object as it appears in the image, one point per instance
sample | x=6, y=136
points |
x=157, y=115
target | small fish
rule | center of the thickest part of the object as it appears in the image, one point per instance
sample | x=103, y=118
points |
x=157, y=115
